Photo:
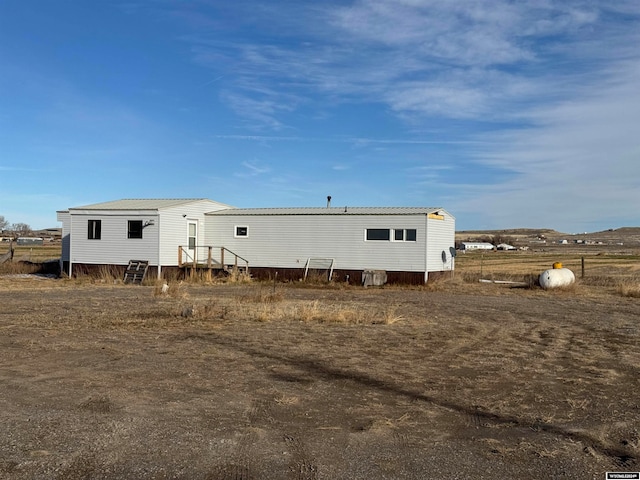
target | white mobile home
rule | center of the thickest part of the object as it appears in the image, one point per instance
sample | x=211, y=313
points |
x=408, y=243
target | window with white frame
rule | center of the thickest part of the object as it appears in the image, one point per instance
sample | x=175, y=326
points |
x=391, y=234
x=405, y=235
x=241, y=231
x=95, y=229
x=378, y=234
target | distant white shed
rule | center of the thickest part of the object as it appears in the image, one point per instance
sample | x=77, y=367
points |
x=30, y=241
x=477, y=246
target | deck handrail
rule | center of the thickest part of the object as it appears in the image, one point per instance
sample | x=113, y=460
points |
x=210, y=260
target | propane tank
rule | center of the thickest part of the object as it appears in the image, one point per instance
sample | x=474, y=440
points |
x=555, y=277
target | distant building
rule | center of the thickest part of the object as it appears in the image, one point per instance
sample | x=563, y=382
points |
x=477, y=246
x=30, y=241
x=505, y=246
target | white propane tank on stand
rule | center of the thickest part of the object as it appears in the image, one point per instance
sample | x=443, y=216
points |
x=556, y=277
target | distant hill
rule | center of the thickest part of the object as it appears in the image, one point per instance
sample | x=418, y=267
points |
x=624, y=236
x=511, y=231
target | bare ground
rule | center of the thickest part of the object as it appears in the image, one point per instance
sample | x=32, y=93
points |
x=482, y=381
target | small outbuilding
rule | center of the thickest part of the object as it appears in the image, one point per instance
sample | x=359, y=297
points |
x=469, y=246
x=35, y=241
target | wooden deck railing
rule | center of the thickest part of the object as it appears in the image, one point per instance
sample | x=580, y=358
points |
x=207, y=260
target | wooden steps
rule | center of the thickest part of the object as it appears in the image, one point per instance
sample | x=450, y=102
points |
x=136, y=271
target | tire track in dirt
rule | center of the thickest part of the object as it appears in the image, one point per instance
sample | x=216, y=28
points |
x=239, y=465
x=620, y=456
x=230, y=471
x=301, y=466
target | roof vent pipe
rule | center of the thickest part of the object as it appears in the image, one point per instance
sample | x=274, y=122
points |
x=328, y=201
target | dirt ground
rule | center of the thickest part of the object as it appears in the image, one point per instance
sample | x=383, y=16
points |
x=103, y=381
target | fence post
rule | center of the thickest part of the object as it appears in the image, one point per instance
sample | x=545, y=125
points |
x=582, y=263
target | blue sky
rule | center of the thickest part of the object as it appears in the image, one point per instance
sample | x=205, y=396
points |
x=507, y=114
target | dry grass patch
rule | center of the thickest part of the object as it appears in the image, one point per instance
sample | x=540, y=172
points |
x=172, y=290
x=265, y=307
x=629, y=288
x=237, y=275
x=19, y=268
x=287, y=400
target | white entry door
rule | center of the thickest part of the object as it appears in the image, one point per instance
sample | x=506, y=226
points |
x=192, y=240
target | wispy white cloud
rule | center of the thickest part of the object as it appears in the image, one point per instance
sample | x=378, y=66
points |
x=252, y=169
x=553, y=82
x=260, y=138
x=578, y=162
x=464, y=59
x=341, y=167
x=358, y=141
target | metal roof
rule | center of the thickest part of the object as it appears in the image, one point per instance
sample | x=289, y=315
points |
x=330, y=211
x=159, y=203
x=141, y=204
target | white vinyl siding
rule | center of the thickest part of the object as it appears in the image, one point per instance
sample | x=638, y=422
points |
x=174, y=229
x=440, y=237
x=159, y=242
x=65, y=218
x=113, y=247
x=287, y=241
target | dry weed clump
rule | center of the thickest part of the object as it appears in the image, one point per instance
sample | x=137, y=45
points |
x=287, y=400
x=629, y=288
x=390, y=316
x=308, y=311
x=438, y=285
x=602, y=280
x=264, y=297
x=197, y=310
x=172, y=290
x=237, y=275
